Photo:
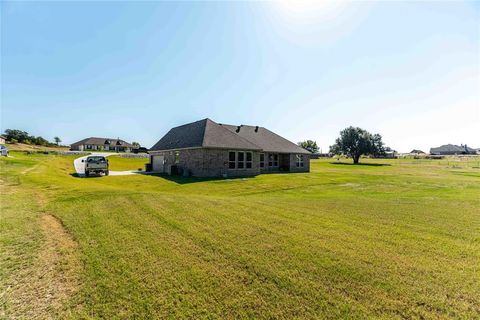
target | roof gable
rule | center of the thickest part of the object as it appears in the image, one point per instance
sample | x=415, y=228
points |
x=186, y=136
x=204, y=133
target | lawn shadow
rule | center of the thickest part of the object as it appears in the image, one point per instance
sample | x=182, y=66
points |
x=362, y=164
x=81, y=175
x=188, y=180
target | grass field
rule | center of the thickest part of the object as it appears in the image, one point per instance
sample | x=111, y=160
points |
x=33, y=148
x=117, y=163
x=400, y=240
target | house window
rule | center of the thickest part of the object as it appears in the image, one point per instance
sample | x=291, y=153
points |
x=262, y=160
x=231, y=160
x=272, y=160
x=248, y=163
x=299, y=161
x=177, y=156
x=241, y=160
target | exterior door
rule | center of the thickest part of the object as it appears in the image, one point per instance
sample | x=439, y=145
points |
x=157, y=163
x=284, y=162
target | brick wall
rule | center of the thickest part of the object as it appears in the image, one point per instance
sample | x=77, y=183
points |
x=202, y=162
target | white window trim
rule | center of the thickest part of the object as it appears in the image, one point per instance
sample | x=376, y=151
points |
x=244, y=160
x=275, y=163
x=299, y=160
x=248, y=162
x=234, y=161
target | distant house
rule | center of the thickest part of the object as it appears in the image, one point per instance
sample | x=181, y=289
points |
x=388, y=154
x=101, y=144
x=208, y=149
x=416, y=152
x=2, y=140
x=451, y=149
x=391, y=154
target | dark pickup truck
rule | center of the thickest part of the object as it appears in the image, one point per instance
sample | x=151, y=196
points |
x=96, y=165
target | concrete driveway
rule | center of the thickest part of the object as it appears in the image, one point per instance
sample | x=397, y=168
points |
x=80, y=166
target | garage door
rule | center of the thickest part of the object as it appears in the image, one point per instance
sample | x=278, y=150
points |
x=157, y=163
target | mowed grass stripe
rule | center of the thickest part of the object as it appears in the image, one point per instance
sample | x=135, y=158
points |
x=179, y=245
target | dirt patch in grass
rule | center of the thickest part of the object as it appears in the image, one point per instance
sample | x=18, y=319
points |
x=43, y=290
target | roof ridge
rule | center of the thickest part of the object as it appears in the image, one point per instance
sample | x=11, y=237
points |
x=205, y=129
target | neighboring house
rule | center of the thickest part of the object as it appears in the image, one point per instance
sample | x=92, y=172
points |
x=2, y=140
x=389, y=154
x=450, y=149
x=101, y=144
x=208, y=149
x=416, y=152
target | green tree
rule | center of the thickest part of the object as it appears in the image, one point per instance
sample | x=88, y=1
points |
x=39, y=141
x=309, y=145
x=57, y=140
x=378, y=146
x=17, y=135
x=136, y=144
x=355, y=142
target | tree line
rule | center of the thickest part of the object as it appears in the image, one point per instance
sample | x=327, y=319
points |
x=353, y=142
x=19, y=136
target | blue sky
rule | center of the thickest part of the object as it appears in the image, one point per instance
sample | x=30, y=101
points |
x=407, y=70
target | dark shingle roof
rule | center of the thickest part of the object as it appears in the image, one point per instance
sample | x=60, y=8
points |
x=416, y=151
x=209, y=134
x=101, y=141
x=452, y=148
x=267, y=140
x=204, y=133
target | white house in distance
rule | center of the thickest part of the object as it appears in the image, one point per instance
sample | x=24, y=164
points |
x=101, y=144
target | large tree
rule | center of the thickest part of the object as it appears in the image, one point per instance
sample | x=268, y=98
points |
x=16, y=135
x=355, y=142
x=309, y=145
x=57, y=140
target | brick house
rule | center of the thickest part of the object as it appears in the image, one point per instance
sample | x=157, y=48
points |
x=451, y=149
x=101, y=144
x=208, y=149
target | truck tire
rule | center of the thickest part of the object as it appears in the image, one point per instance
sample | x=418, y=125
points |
x=107, y=172
x=87, y=173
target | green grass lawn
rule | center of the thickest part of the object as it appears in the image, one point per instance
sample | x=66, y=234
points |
x=117, y=163
x=394, y=241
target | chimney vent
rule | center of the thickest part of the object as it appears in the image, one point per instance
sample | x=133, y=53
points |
x=238, y=129
x=256, y=129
